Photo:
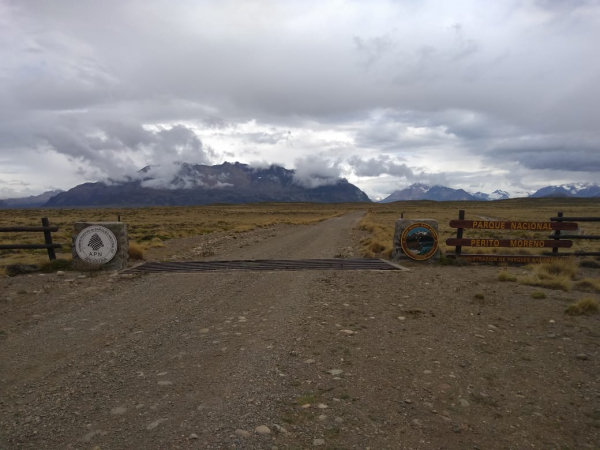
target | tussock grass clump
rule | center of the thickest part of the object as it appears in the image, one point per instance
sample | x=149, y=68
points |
x=136, y=251
x=56, y=265
x=588, y=285
x=538, y=295
x=155, y=242
x=557, y=274
x=560, y=266
x=379, y=242
x=505, y=275
x=586, y=305
x=558, y=282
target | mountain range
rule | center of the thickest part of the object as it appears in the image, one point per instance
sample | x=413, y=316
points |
x=419, y=191
x=196, y=184
x=32, y=201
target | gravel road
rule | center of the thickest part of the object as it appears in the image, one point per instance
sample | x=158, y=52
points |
x=294, y=360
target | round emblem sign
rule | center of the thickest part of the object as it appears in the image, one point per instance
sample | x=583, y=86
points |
x=419, y=241
x=96, y=244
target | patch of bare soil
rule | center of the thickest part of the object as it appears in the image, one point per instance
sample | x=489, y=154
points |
x=441, y=357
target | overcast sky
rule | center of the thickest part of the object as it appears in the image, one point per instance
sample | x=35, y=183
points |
x=481, y=95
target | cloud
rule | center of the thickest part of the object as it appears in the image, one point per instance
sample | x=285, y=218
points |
x=560, y=153
x=438, y=87
x=315, y=171
x=382, y=165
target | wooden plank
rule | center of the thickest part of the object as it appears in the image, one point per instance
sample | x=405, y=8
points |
x=511, y=243
x=575, y=219
x=577, y=236
x=27, y=229
x=509, y=259
x=512, y=226
x=28, y=246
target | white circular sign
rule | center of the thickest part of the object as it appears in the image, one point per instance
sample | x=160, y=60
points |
x=96, y=244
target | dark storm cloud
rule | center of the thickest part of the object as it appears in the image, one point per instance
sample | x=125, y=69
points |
x=576, y=155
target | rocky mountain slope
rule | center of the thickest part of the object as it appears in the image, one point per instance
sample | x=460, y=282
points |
x=32, y=201
x=581, y=190
x=194, y=184
x=419, y=191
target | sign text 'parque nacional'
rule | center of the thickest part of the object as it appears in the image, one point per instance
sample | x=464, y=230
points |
x=513, y=226
x=96, y=244
x=419, y=241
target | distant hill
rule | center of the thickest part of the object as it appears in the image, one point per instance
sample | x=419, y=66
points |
x=29, y=202
x=419, y=191
x=581, y=190
x=195, y=184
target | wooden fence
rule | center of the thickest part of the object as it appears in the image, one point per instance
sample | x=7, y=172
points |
x=560, y=218
x=555, y=242
x=45, y=228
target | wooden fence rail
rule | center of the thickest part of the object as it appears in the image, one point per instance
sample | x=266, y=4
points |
x=557, y=236
x=45, y=228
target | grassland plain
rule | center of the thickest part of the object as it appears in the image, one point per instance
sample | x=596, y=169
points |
x=150, y=227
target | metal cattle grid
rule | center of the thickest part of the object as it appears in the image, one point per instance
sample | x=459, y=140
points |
x=265, y=265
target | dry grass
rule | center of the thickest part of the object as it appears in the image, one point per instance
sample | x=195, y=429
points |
x=586, y=305
x=505, y=275
x=3, y=272
x=558, y=282
x=557, y=274
x=149, y=227
x=379, y=241
x=136, y=251
x=588, y=285
x=561, y=266
x=145, y=225
x=538, y=295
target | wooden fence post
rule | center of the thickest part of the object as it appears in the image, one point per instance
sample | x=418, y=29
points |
x=459, y=232
x=557, y=235
x=48, y=239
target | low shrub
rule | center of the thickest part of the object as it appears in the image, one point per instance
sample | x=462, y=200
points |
x=538, y=295
x=558, y=282
x=586, y=305
x=505, y=275
x=136, y=251
x=588, y=285
x=56, y=265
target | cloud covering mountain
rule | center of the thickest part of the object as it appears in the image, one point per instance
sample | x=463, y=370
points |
x=477, y=95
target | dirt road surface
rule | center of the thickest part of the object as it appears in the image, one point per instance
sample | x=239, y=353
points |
x=294, y=360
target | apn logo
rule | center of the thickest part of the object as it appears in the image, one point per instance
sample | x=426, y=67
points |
x=95, y=242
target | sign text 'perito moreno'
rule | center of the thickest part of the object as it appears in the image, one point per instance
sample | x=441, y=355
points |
x=511, y=243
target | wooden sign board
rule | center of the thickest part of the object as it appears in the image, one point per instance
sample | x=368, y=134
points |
x=511, y=243
x=509, y=259
x=513, y=226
